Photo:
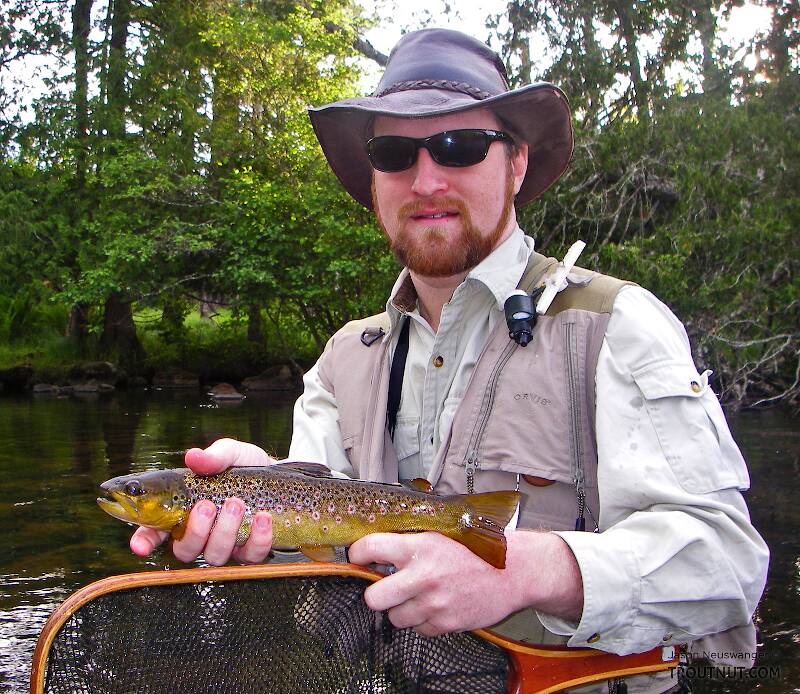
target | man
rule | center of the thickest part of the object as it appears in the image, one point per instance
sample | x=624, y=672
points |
x=603, y=418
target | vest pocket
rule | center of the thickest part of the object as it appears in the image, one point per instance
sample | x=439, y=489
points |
x=691, y=427
x=406, y=447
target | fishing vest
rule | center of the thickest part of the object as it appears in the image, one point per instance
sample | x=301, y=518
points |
x=526, y=421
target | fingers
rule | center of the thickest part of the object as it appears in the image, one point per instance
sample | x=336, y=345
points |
x=255, y=550
x=384, y=548
x=222, y=538
x=145, y=540
x=393, y=590
x=225, y=453
x=198, y=529
x=404, y=552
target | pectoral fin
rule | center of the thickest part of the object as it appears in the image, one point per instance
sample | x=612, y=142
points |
x=319, y=553
x=419, y=484
x=178, y=531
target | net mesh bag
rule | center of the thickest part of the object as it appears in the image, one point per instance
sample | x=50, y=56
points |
x=289, y=635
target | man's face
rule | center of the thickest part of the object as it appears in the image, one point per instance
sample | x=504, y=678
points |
x=442, y=221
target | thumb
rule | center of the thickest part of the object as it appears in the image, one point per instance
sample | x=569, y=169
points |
x=225, y=453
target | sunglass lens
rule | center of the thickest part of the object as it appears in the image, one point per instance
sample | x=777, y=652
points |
x=459, y=148
x=390, y=153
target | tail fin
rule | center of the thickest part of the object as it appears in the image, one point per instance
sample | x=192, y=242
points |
x=483, y=535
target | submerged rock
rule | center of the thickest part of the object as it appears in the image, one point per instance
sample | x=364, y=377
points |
x=274, y=378
x=225, y=391
x=175, y=380
x=95, y=372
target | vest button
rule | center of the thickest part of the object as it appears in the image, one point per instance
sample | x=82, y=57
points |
x=594, y=638
x=438, y=362
x=696, y=387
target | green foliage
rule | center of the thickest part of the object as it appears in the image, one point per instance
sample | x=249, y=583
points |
x=700, y=206
x=189, y=173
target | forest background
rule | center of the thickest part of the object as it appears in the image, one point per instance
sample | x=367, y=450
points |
x=164, y=203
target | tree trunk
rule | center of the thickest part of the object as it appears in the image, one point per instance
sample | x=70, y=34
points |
x=640, y=91
x=117, y=63
x=81, y=23
x=519, y=43
x=119, y=330
x=78, y=326
x=714, y=79
x=255, y=325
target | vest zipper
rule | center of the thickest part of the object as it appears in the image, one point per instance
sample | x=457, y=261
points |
x=573, y=370
x=472, y=461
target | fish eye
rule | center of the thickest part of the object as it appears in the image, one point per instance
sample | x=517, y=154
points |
x=134, y=488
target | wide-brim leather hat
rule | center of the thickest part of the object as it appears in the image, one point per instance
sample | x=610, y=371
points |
x=437, y=72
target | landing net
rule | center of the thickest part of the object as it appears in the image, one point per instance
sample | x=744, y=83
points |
x=289, y=635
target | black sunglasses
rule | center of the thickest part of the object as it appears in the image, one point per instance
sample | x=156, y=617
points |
x=392, y=153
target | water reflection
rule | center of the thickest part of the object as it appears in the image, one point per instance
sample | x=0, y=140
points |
x=53, y=538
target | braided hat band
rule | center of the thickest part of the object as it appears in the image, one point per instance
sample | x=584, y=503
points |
x=446, y=85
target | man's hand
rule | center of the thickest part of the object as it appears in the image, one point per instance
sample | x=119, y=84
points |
x=209, y=534
x=440, y=586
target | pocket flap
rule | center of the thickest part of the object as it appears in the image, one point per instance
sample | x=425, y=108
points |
x=691, y=427
x=667, y=379
x=406, y=437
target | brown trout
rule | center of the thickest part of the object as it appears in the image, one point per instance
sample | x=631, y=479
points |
x=312, y=511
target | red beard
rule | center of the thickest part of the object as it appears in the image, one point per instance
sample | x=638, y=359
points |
x=434, y=252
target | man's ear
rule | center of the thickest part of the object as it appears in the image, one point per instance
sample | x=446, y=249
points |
x=519, y=165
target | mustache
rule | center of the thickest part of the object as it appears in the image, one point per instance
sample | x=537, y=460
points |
x=411, y=209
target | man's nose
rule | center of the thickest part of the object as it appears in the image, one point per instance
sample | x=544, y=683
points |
x=430, y=178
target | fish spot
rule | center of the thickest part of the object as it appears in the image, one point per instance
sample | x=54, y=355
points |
x=279, y=508
x=338, y=520
x=297, y=519
x=351, y=509
x=331, y=508
x=287, y=523
x=371, y=518
x=324, y=528
x=315, y=515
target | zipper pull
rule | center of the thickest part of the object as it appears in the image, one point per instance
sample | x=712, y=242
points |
x=580, y=521
x=470, y=468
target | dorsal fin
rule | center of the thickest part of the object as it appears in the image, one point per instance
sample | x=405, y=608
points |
x=419, y=484
x=313, y=469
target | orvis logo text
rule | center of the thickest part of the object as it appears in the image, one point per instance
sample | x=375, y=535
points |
x=532, y=398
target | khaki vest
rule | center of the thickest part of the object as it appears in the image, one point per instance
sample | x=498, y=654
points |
x=526, y=419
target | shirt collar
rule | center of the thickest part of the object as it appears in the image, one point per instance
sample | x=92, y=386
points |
x=500, y=272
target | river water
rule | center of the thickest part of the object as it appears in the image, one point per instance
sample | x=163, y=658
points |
x=53, y=539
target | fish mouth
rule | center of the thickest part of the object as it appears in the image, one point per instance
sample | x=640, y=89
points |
x=118, y=506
